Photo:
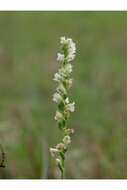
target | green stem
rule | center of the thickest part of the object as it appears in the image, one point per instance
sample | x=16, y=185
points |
x=62, y=174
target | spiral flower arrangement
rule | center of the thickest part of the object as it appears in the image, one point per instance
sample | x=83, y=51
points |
x=64, y=105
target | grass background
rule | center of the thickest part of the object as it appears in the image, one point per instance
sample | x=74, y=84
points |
x=28, y=45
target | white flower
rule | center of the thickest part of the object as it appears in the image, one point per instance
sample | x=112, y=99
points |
x=71, y=50
x=70, y=57
x=58, y=77
x=54, y=152
x=69, y=40
x=60, y=146
x=71, y=46
x=69, y=82
x=69, y=131
x=60, y=57
x=68, y=68
x=61, y=89
x=58, y=161
x=67, y=140
x=59, y=116
x=70, y=107
x=57, y=98
x=63, y=40
x=62, y=72
x=65, y=71
x=67, y=100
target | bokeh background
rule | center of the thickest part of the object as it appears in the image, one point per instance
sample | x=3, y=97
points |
x=29, y=42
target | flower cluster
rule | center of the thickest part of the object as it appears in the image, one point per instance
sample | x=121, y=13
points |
x=64, y=105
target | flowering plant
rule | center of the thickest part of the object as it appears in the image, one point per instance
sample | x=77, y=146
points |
x=65, y=107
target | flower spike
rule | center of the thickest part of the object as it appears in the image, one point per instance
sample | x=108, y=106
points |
x=64, y=106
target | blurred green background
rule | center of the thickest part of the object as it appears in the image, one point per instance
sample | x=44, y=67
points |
x=29, y=42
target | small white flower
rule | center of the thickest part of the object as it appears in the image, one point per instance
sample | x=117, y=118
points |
x=69, y=131
x=71, y=46
x=67, y=140
x=59, y=116
x=70, y=57
x=67, y=100
x=60, y=146
x=69, y=83
x=57, y=98
x=68, y=68
x=58, y=77
x=58, y=161
x=71, y=50
x=65, y=71
x=69, y=40
x=61, y=89
x=63, y=40
x=70, y=107
x=62, y=72
x=60, y=57
x=54, y=152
